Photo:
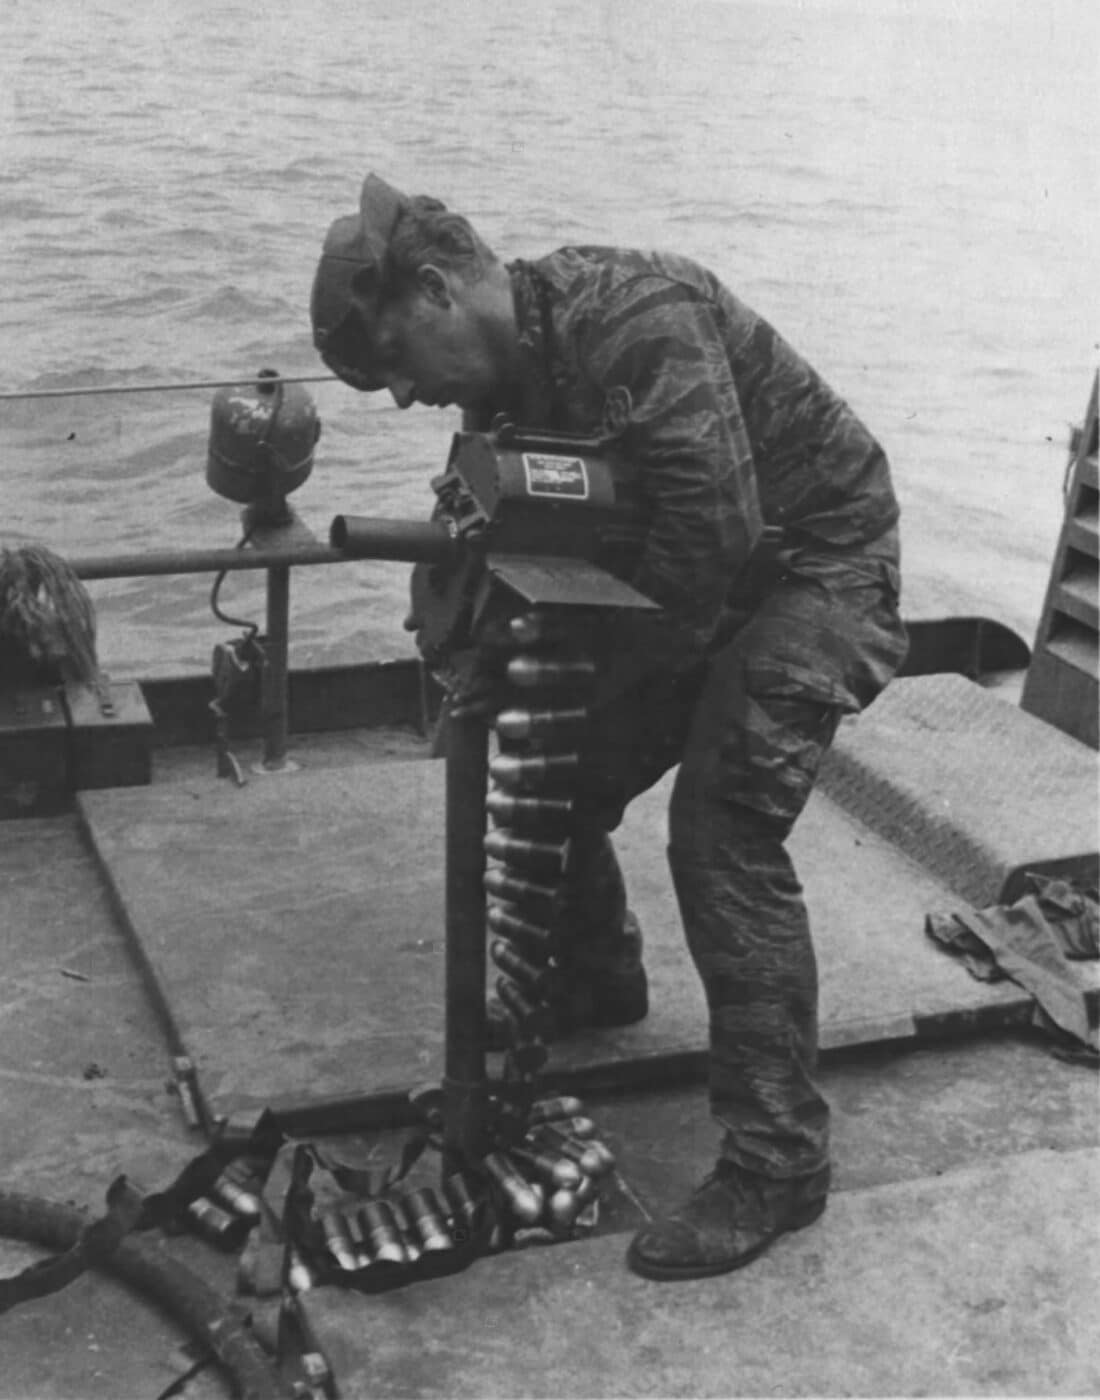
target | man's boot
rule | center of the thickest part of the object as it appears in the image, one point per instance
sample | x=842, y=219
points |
x=730, y=1220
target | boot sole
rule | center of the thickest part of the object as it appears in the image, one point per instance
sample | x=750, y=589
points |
x=670, y=1273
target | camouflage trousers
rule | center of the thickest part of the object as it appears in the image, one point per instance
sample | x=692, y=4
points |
x=749, y=729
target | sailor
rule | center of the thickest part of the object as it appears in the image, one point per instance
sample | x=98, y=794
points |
x=742, y=677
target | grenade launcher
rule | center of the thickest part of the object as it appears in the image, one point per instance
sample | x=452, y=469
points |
x=531, y=533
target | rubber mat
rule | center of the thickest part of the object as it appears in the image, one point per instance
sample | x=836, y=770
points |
x=975, y=790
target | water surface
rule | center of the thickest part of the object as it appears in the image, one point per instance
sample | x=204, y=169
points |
x=907, y=191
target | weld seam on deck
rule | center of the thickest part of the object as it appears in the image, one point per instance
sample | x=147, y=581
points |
x=173, y=1031
x=390, y=1107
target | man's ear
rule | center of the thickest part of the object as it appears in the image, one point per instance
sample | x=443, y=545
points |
x=433, y=283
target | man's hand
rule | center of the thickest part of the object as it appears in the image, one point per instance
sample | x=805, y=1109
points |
x=476, y=684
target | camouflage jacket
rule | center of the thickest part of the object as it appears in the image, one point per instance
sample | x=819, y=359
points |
x=730, y=428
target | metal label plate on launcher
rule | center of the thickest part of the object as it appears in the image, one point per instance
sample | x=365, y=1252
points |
x=549, y=475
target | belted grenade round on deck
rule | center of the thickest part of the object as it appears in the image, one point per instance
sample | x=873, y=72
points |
x=262, y=436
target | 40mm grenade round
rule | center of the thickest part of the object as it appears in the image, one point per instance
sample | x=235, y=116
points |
x=534, y=942
x=534, y=898
x=540, y=858
x=533, y=672
x=525, y=1199
x=532, y=771
x=529, y=813
x=540, y=724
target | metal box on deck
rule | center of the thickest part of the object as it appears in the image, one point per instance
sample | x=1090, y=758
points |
x=110, y=735
x=33, y=752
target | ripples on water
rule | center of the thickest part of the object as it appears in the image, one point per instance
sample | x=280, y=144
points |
x=908, y=195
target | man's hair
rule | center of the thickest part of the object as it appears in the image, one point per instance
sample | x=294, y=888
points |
x=427, y=232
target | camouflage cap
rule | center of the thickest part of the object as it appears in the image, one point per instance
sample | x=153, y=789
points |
x=348, y=280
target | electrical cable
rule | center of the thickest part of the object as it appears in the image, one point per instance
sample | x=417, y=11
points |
x=13, y=395
x=251, y=628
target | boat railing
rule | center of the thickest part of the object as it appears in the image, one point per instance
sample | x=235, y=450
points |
x=275, y=546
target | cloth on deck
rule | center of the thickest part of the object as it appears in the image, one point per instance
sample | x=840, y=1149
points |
x=1031, y=942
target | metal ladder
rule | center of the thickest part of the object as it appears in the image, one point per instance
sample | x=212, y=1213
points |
x=1061, y=685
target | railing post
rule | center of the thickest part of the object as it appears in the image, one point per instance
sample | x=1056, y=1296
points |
x=274, y=703
x=286, y=533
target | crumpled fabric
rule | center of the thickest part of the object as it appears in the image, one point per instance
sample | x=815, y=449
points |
x=1032, y=942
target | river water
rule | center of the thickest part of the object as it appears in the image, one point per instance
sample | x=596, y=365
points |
x=907, y=191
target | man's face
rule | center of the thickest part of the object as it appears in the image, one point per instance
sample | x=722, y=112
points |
x=429, y=348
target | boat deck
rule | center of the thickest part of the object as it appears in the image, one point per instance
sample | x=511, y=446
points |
x=295, y=944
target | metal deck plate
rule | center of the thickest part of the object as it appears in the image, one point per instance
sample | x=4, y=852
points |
x=879, y=1298
x=292, y=934
x=974, y=789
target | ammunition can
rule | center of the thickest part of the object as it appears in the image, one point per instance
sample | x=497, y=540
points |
x=216, y=1225
x=559, y=724
x=559, y=1107
x=535, y=943
x=383, y=1233
x=532, y=771
x=427, y=1215
x=534, y=673
x=545, y=858
x=338, y=1240
x=546, y=815
x=525, y=1199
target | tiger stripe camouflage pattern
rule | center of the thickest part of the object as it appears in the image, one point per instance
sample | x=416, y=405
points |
x=741, y=685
